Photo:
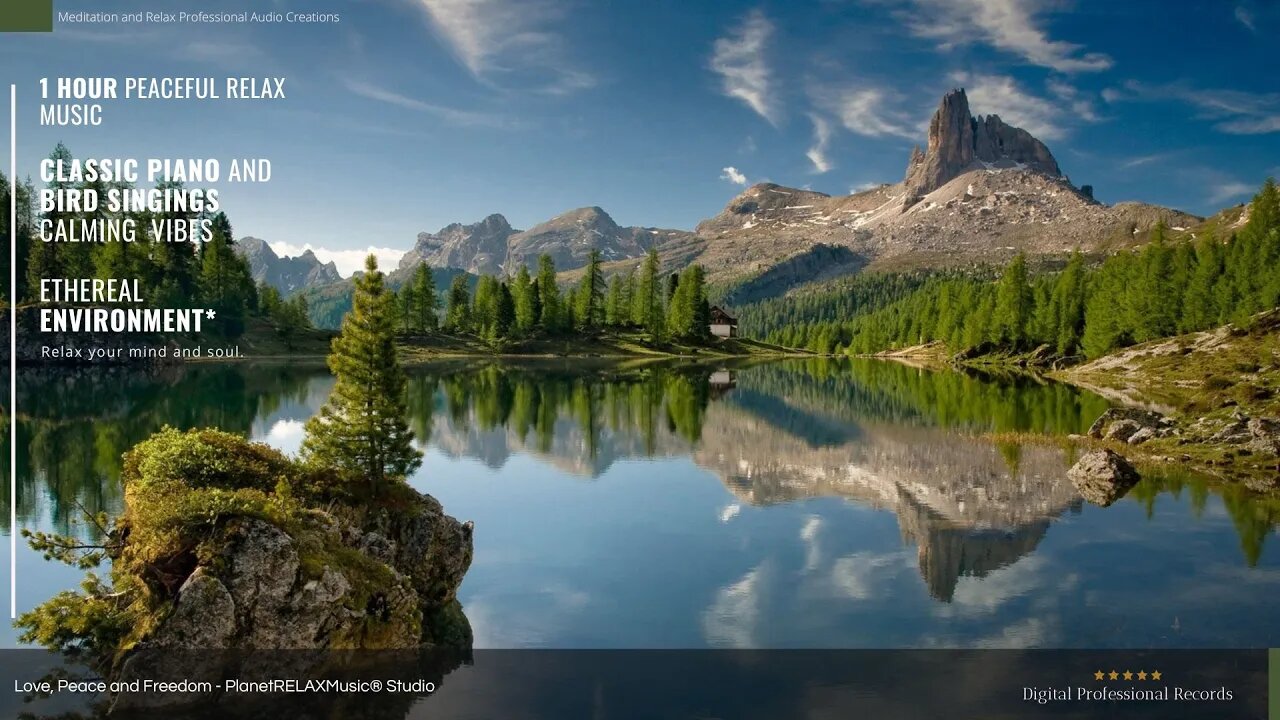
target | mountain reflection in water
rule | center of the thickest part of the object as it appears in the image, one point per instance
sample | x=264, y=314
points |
x=829, y=449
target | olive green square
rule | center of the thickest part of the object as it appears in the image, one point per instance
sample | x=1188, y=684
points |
x=26, y=15
x=1274, y=684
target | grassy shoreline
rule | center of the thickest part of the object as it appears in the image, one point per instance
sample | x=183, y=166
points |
x=263, y=343
x=1206, y=382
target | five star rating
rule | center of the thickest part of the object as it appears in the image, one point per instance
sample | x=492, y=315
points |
x=1127, y=675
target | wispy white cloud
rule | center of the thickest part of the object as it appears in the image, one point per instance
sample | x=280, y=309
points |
x=1141, y=160
x=817, y=153
x=497, y=40
x=348, y=261
x=1001, y=95
x=733, y=175
x=1246, y=18
x=739, y=59
x=1081, y=104
x=809, y=538
x=1236, y=112
x=1223, y=190
x=859, y=576
x=1252, y=125
x=453, y=116
x=867, y=110
x=732, y=620
x=1013, y=26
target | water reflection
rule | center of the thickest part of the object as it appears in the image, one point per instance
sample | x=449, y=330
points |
x=849, y=503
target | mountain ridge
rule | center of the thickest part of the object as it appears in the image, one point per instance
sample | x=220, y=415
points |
x=286, y=274
x=979, y=192
x=492, y=246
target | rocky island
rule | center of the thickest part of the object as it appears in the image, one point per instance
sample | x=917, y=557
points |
x=226, y=546
x=229, y=545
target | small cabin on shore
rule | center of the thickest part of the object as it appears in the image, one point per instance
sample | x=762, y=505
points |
x=722, y=323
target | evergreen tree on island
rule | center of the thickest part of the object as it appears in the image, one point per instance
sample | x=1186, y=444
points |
x=362, y=429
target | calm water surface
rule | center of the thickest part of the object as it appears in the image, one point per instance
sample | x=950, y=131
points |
x=821, y=504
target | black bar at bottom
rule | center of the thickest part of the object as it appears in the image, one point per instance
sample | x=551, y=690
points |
x=625, y=684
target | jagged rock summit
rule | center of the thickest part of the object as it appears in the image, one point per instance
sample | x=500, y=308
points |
x=493, y=247
x=980, y=191
x=479, y=247
x=286, y=274
x=570, y=237
x=959, y=142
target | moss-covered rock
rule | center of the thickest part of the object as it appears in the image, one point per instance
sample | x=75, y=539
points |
x=228, y=544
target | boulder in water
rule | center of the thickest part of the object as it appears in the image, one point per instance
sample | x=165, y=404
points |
x=1103, y=476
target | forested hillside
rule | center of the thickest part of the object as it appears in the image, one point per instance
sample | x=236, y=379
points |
x=497, y=310
x=327, y=304
x=1163, y=288
x=798, y=319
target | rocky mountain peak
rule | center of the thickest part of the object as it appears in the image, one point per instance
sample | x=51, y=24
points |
x=959, y=142
x=495, y=222
x=286, y=274
x=479, y=247
x=592, y=216
x=252, y=246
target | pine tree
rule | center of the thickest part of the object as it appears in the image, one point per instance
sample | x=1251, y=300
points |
x=685, y=312
x=525, y=296
x=1013, y=305
x=549, y=296
x=361, y=429
x=457, y=316
x=1151, y=300
x=1260, y=239
x=1199, y=311
x=702, y=307
x=268, y=299
x=647, y=308
x=484, y=308
x=1044, y=320
x=1266, y=214
x=614, y=310
x=406, y=303
x=1068, y=301
x=118, y=259
x=175, y=259
x=627, y=301
x=504, y=316
x=1105, y=326
x=426, y=301
x=45, y=259
x=589, y=298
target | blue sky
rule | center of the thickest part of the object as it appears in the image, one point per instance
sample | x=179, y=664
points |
x=411, y=114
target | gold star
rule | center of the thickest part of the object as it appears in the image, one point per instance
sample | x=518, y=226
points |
x=1114, y=675
x=1155, y=674
x=1142, y=674
x=1098, y=675
x=1128, y=675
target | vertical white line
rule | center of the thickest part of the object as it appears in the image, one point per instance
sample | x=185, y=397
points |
x=13, y=352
